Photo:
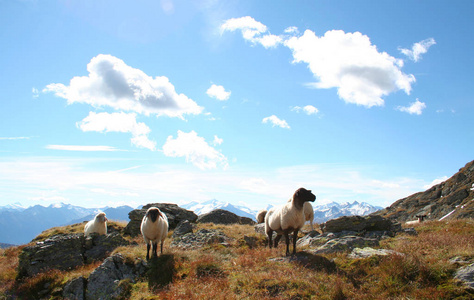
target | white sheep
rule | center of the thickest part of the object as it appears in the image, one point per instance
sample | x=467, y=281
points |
x=154, y=229
x=99, y=225
x=421, y=218
x=261, y=216
x=288, y=218
x=308, y=213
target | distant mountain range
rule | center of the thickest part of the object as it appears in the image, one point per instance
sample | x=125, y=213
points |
x=19, y=225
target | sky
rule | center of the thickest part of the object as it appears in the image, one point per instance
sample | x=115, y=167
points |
x=109, y=103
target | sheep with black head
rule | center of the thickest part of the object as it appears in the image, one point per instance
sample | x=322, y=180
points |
x=154, y=229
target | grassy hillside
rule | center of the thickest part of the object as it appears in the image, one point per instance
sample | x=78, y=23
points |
x=422, y=270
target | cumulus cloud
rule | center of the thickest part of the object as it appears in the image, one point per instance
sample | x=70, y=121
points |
x=118, y=122
x=114, y=84
x=275, y=121
x=218, y=92
x=217, y=140
x=418, y=49
x=435, y=182
x=350, y=63
x=195, y=149
x=308, y=109
x=415, y=108
x=252, y=31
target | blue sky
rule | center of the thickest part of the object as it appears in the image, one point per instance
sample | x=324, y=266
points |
x=106, y=103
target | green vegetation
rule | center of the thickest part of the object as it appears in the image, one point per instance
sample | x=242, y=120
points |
x=421, y=269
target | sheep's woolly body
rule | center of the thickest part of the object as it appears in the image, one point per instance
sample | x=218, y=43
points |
x=288, y=218
x=261, y=216
x=154, y=231
x=308, y=213
x=98, y=225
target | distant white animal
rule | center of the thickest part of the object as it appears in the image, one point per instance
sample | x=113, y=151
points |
x=288, y=218
x=261, y=216
x=154, y=229
x=421, y=218
x=99, y=225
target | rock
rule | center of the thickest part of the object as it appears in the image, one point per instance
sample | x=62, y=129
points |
x=174, y=213
x=345, y=243
x=309, y=261
x=107, y=281
x=221, y=216
x=410, y=231
x=75, y=289
x=199, y=239
x=251, y=241
x=466, y=275
x=308, y=239
x=358, y=223
x=260, y=228
x=182, y=228
x=368, y=252
x=459, y=260
x=66, y=252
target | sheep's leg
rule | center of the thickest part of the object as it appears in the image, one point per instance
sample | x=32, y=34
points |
x=277, y=240
x=147, y=251
x=287, y=240
x=270, y=236
x=154, y=249
x=295, y=237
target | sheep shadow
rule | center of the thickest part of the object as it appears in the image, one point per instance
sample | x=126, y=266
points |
x=310, y=261
x=161, y=271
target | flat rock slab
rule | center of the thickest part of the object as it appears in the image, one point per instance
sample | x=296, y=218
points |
x=368, y=252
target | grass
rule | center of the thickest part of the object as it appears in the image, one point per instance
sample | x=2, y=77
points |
x=421, y=269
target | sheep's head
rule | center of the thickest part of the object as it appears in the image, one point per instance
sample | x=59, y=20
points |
x=304, y=195
x=101, y=217
x=153, y=213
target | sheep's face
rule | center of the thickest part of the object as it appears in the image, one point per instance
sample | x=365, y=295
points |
x=304, y=195
x=101, y=217
x=153, y=213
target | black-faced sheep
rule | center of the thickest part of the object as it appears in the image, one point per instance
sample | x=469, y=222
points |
x=154, y=229
x=261, y=216
x=99, y=225
x=288, y=218
x=308, y=213
x=421, y=218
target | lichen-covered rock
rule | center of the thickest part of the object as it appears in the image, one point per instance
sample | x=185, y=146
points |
x=174, y=213
x=346, y=243
x=359, y=223
x=199, y=239
x=466, y=275
x=368, y=252
x=75, y=289
x=66, y=251
x=105, y=282
x=222, y=216
x=182, y=228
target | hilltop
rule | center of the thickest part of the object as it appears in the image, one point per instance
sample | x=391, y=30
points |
x=451, y=199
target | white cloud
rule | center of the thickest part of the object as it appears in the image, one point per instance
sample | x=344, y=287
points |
x=218, y=92
x=119, y=122
x=195, y=149
x=81, y=148
x=275, y=121
x=252, y=31
x=435, y=182
x=291, y=30
x=113, y=83
x=350, y=63
x=418, y=49
x=217, y=140
x=35, y=92
x=15, y=138
x=308, y=109
x=414, y=108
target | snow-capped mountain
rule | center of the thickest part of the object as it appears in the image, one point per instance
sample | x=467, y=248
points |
x=20, y=225
x=200, y=208
x=12, y=207
x=332, y=210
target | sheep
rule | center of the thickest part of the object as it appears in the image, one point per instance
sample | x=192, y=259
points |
x=154, y=229
x=308, y=213
x=99, y=225
x=421, y=218
x=261, y=216
x=288, y=218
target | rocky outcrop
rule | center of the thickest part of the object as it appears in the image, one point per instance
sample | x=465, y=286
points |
x=358, y=223
x=451, y=199
x=221, y=216
x=466, y=275
x=199, y=239
x=66, y=251
x=174, y=213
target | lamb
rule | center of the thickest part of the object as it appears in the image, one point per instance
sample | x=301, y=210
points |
x=154, y=229
x=288, y=218
x=99, y=225
x=261, y=216
x=421, y=218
